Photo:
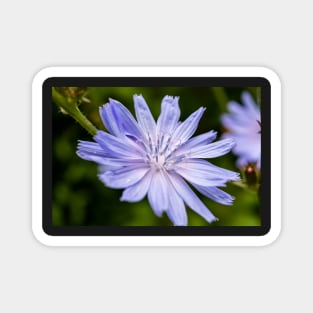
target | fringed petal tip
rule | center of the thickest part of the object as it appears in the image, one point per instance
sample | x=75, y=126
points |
x=170, y=98
x=138, y=97
x=102, y=110
x=235, y=177
x=81, y=154
x=144, y=117
x=80, y=143
x=227, y=199
x=106, y=106
x=215, y=219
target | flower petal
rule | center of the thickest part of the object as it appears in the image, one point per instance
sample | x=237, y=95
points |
x=187, y=128
x=144, y=117
x=213, y=150
x=237, y=110
x=177, y=211
x=108, y=167
x=169, y=116
x=204, y=173
x=215, y=194
x=158, y=195
x=191, y=199
x=233, y=125
x=197, y=141
x=250, y=106
x=137, y=191
x=200, y=178
x=116, y=147
x=92, y=151
x=124, y=177
x=242, y=142
x=118, y=120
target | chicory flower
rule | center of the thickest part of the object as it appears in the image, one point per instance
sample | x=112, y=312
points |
x=145, y=157
x=243, y=123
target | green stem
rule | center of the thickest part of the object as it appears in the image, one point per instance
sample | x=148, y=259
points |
x=73, y=111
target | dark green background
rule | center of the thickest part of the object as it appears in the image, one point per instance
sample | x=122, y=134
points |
x=79, y=198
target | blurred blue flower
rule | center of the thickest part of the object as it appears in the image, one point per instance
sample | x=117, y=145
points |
x=151, y=158
x=244, y=126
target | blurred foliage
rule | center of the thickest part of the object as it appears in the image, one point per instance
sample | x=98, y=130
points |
x=79, y=198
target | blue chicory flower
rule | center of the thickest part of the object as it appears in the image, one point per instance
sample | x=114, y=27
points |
x=243, y=123
x=156, y=159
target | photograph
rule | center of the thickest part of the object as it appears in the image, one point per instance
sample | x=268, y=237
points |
x=156, y=156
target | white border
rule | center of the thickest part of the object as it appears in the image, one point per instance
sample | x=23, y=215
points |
x=156, y=72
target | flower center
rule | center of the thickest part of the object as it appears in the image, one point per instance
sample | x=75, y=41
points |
x=160, y=154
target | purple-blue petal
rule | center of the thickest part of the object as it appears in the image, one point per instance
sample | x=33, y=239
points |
x=139, y=190
x=187, y=128
x=158, y=193
x=117, y=147
x=233, y=125
x=199, y=178
x=169, y=116
x=118, y=120
x=215, y=194
x=204, y=173
x=197, y=141
x=191, y=199
x=90, y=151
x=212, y=150
x=124, y=177
x=144, y=117
x=176, y=211
x=250, y=106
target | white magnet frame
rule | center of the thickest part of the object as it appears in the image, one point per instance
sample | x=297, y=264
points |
x=37, y=183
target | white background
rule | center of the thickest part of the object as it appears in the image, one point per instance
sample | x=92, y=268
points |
x=37, y=34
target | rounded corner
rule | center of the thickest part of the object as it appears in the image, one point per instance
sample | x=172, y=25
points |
x=271, y=236
x=43, y=75
x=43, y=72
x=270, y=75
x=41, y=236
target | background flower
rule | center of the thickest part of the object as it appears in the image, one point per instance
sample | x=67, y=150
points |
x=243, y=123
x=151, y=158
